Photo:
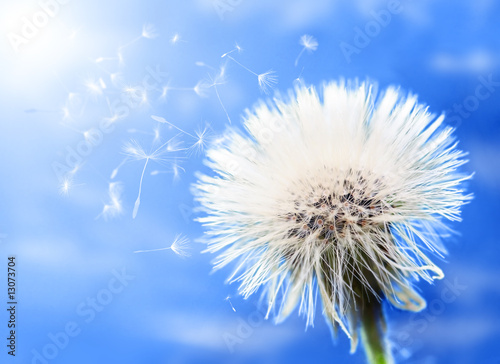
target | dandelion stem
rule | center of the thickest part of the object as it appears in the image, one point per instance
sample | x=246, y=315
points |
x=298, y=57
x=138, y=201
x=372, y=334
x=248, y=69
x=221, y=104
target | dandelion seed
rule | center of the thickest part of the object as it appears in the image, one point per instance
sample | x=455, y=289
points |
x=202, y=139
x=67, y=182
x=180, y=246
x=219, y=80
x=164, y=121
x=114, y=207
x=117, y=169
x=309, y=43
x=164, y=93
x=175, y=38
x=237, y=48
x=228, y=299
x=135, y=151
x=201, y=88
x=65, y=186
x=266, y=80
x=149, y=31
x=203, y=64
x=348, y=200
x=94, y=87
x=176, y=171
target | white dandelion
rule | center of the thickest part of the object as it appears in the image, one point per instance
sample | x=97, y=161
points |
x=342, y=194
x=308, y=43
x=179, y=246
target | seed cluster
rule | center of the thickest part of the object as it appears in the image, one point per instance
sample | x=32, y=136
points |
x=350, y=203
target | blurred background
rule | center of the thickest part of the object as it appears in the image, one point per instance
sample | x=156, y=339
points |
x=81, y=79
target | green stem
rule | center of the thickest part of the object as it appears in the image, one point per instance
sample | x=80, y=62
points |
x=372, y=334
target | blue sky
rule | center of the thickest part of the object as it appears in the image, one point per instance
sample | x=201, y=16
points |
x=77, y=271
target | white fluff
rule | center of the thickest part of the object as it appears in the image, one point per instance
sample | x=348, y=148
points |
x=330, y=192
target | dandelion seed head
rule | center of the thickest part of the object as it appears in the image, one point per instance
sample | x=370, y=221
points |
x=180, y=246
x=94, y=87
x=201, y=88
x=202, y=140
x=308, y=42
x=149, y=31
x=345, y=194
x=267, y=81
x=134, y=150
x=65, y=186
x=174, y=145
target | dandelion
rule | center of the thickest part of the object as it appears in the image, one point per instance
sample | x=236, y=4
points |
x=180, y=246
x=343, y=194
x=309, y=43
